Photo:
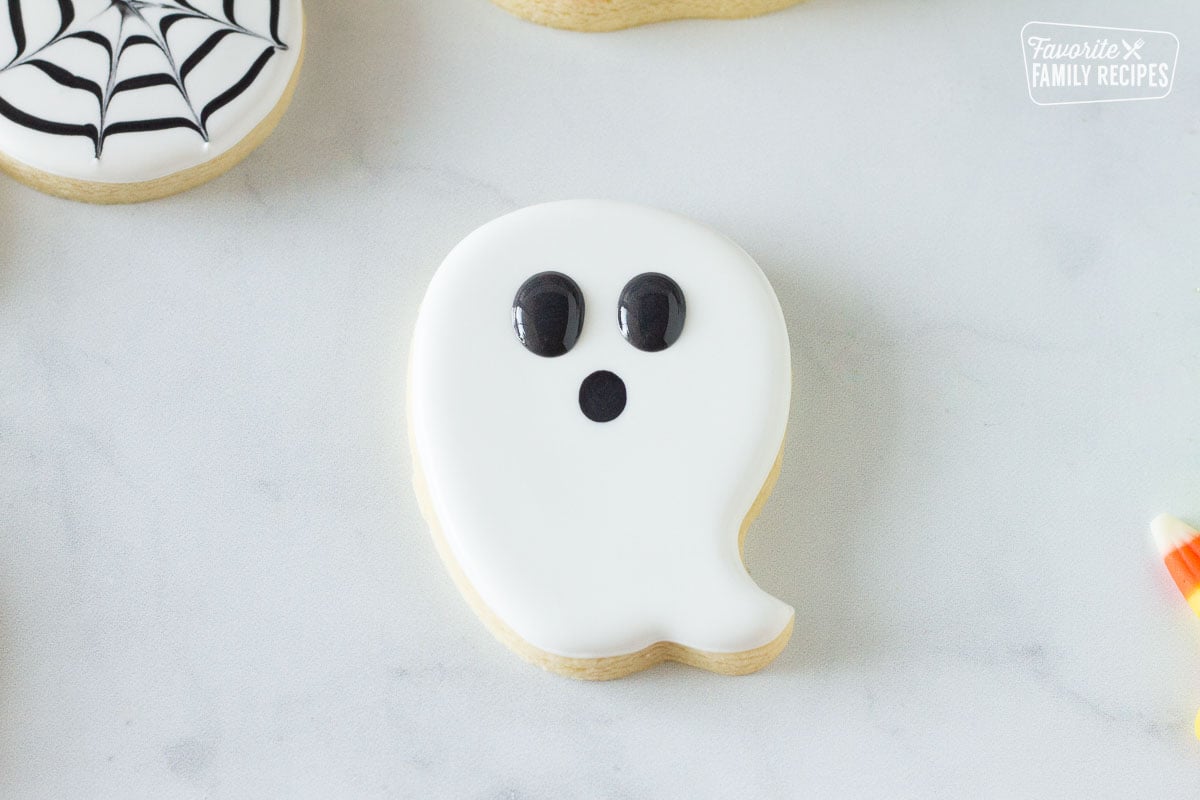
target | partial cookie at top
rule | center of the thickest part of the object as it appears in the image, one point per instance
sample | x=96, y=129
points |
x=114, y=101
x=611, y=15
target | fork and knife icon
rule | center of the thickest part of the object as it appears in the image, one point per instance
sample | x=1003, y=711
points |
x=1132, y=49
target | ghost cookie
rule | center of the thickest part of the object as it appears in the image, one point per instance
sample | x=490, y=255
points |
x=598, y=394
x=610, y=15
x=118, y=101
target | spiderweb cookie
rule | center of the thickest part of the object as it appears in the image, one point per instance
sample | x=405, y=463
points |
x=117, y=101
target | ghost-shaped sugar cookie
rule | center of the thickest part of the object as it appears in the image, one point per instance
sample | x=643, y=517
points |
x=598, y=394
x=609, y=15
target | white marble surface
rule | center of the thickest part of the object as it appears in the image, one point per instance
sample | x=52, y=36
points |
x=214, y=580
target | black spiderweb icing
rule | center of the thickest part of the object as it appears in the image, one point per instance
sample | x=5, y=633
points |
x=138, y=23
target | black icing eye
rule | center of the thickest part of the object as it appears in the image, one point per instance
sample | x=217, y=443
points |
x=548, y=314
x=650, y=312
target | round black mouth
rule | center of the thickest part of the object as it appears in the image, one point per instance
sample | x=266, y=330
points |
x=602, y=396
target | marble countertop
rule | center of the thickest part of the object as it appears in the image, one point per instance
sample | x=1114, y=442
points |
x=214, y=579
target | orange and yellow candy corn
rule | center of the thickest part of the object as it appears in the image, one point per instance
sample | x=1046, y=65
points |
x=1179, y=544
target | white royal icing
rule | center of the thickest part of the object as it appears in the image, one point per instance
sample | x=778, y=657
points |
x=598, y=539
x=120, y=91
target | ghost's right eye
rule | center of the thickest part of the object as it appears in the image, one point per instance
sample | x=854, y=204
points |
x=548, y=314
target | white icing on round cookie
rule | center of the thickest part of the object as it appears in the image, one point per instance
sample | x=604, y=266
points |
x=597, y=539
x=123, y=91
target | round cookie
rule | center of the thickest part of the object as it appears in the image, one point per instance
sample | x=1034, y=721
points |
x=611, y=15
x=118, y=101
x=598, y=395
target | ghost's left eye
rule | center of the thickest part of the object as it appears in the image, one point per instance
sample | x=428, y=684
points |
x=650, y=312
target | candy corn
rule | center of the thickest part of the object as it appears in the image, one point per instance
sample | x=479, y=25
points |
x=1179, y=544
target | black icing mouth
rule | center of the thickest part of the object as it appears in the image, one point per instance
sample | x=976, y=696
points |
x=602, y=396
